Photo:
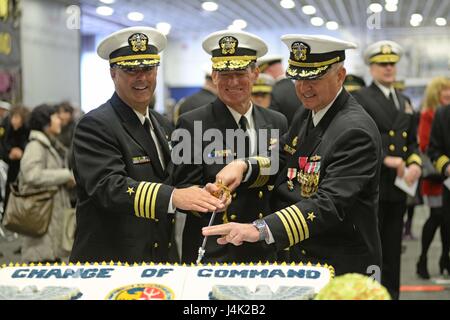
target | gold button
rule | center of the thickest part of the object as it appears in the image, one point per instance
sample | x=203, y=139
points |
x=260, y=215
x=156, y=220
x=233, y=217
x=234, y=195
x=392, y=147
x=304, y=252
x=155, y=245
x=405, y=148
x=170, y=244
x=391, y=133
x=405, y=134
x=173, y=221
x=270, y=187
x=261, y=194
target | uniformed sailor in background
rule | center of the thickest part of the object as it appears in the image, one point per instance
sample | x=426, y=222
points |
x=353, y=83
x=207, y=94
x=121, y=156
x=284, y=98
x=262, y=89
x=234, y=72
x=394, y=117
x=326, y=194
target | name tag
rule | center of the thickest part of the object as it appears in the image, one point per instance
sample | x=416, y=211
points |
x=141, y=159
x=220, y=153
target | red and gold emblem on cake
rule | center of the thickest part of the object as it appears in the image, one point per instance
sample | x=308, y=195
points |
x=146, y=291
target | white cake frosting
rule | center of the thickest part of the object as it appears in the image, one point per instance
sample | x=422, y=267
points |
x=100, y=281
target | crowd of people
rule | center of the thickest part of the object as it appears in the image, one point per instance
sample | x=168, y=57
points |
x=35, y=148
x=310, y=174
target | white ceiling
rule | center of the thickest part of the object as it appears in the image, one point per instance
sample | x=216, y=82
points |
x=187, y=16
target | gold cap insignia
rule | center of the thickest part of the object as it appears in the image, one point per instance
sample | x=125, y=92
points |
x=228, y=45
x=299, y=49
x=386, y=49
x=138, y=42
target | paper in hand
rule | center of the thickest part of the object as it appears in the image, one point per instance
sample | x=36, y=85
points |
x=402, y=185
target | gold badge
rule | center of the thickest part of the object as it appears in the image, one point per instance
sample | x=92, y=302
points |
x=228, y=45
x=141, y=159
x=289, y=149
x=311, y=216
x=300, y=50
x=138, y=42
x=294, y=141
x=386, y=49
x=315, y=158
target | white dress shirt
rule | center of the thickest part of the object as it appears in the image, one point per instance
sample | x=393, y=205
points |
x=317, y=116
x=251, y=125
x=386, y=91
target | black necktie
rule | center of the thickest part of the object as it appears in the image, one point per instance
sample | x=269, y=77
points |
x=152, y=144
x=392, y=100
x=243, y=123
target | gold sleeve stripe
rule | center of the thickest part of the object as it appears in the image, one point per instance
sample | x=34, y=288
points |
x=441, y=162
x=142, y=199
x=136, y=199
x=155, y=193
x=291, y=225
x=148, y=200
x=262, y=179
x=286, y=227
x=297, y=222
x=302, y=219
x=414, y=158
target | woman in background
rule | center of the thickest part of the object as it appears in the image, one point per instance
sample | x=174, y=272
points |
x=437, y=94
x=44, y=165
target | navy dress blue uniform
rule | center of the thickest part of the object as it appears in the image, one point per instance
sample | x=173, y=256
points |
x=247, y=204
x=121, y=170
x=234, y=54
x=398, y=129
x=439, y=152
x=333, y=219
x=123, y=197
x=198, y=99
x=326, y=193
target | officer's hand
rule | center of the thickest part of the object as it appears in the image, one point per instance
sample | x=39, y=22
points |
x=235, y=233
x=16, y=153
x=393, y=162
x=71, y=183
x=414, y=173
x=196, y=199
x=232, y=174
x=225, y=197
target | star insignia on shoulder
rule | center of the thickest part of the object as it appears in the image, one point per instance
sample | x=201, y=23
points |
x=130, y=190
x=311, y=216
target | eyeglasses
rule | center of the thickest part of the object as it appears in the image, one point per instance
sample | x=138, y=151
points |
x=135, y=71
x=385, y=64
